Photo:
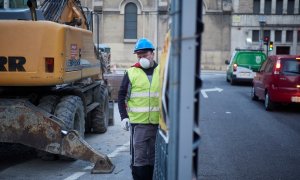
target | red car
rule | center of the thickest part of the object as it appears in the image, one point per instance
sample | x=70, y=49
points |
x=278, y=81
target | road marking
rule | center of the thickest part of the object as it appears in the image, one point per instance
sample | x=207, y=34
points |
x=211, y=74
x=203, y=91
x=88, y=168
x=75, y=176
x=116, y=152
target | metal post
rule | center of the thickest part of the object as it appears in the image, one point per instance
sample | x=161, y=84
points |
x=157, y=30
x=91, y=21
x=177, y=150
x=172, y=159
x=262, y=22
x=32, y=5
x=182, y=90
x=267, y=48
x=97, y=34
x=260, y=36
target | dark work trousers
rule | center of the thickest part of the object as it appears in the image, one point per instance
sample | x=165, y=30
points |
x=142, y=149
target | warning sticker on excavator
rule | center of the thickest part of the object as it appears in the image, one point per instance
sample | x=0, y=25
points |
x=73, y=51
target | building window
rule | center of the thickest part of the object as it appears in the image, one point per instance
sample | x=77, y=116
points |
x=290, y=6
x=255, y=35
x=268, y=6
x=289, y=36
x=256, y=6
x=298, y=37
x=279, y=5
x=267, y=33
x=278, y=36
x=130, y=24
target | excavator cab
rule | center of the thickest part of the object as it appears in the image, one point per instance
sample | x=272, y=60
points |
x=13, y=4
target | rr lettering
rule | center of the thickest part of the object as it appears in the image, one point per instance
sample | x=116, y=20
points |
x=3, y=61
x=15, y=63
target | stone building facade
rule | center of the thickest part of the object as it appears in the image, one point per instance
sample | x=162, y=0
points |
x=216, y=39
x=231, y=24
x=122, y=22
x=277, y=19
x=228, y=24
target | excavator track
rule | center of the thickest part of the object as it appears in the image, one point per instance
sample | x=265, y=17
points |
x=22, y=122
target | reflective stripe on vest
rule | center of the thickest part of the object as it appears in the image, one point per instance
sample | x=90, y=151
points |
x=143, y=109
x=143, y=102
x=144, y=94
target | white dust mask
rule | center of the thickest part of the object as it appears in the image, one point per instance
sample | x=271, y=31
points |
x=145, y=63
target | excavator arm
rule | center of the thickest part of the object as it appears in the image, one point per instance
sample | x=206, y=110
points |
x=21, y=122
x=68, y=12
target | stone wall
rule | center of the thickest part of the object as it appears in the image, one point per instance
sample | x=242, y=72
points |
x=216, y=38
x=245, y=6
x=152, y=23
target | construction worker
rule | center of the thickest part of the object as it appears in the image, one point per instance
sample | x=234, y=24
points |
x=138, y=103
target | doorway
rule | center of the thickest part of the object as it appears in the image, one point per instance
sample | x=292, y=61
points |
x=283, y=50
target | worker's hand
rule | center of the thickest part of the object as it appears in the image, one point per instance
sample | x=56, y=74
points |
x=125, y=124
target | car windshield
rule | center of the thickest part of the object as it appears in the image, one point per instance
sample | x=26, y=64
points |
x=15, y=4
x=291, y=66
x=250, y=58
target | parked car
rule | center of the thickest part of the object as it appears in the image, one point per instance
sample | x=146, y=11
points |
x=243, y=65
x=278, y=81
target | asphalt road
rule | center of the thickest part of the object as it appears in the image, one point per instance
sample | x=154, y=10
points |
x=240, y=140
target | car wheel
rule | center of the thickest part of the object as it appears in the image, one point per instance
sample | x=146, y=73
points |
x=100, y=115
x=253, y=94
x=232, y=82
x=227, y=78
x=269, y=105
x=70, y=110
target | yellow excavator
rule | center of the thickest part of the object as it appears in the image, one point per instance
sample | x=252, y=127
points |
x=52, y=89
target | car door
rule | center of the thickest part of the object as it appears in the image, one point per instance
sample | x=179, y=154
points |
x=264, y=78
x=257, y=81
x=267, y=77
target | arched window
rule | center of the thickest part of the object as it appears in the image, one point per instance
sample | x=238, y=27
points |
x=130, y=24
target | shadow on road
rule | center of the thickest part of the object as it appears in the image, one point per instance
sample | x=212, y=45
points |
x=12, y=154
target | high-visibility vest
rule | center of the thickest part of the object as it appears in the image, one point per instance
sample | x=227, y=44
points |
x=143, y=100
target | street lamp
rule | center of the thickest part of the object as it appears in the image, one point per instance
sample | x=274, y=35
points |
x=262, y=23
x=248, y=42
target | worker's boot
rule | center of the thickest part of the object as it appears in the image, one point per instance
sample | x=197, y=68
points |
x=141, y=173
x=150, y=171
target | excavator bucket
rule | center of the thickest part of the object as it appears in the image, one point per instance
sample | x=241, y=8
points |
x=22, y=122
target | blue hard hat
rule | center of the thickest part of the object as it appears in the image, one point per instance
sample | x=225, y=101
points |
x=143, y=44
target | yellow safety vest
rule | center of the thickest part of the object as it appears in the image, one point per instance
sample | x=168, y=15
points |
x=143, y=100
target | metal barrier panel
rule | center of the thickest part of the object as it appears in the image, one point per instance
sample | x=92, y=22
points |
x=161, y=157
